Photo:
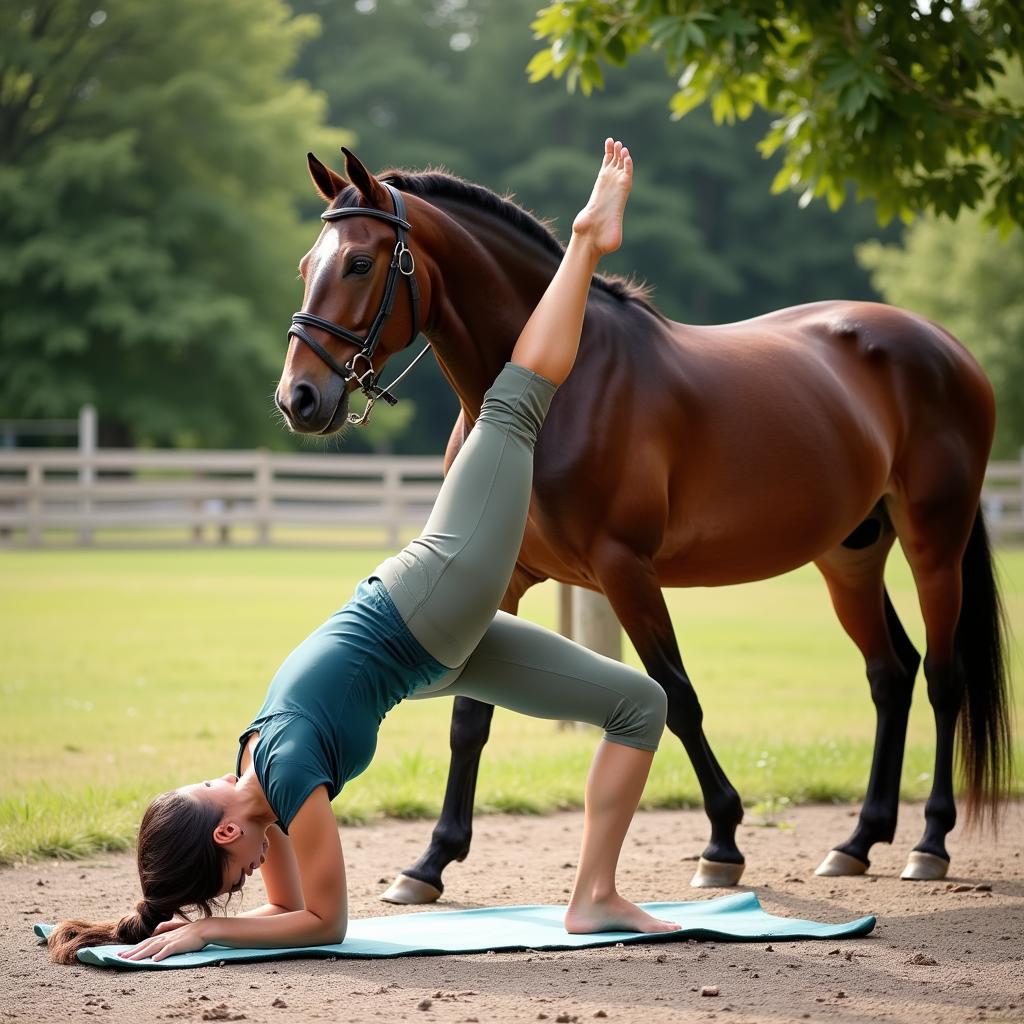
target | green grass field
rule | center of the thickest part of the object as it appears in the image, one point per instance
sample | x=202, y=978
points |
x=123, y=673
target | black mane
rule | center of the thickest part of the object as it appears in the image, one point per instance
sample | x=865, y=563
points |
x=442, y=185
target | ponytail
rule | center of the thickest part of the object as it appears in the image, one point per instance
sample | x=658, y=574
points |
x=70, y=936
x=179, y=866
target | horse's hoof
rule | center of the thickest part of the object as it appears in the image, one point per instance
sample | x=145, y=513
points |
x=924, y=867
x=716, y=874
x=410, y=890
x=838, y=863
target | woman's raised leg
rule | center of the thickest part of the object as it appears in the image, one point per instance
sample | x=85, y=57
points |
x=548, y=342
x=448, y=582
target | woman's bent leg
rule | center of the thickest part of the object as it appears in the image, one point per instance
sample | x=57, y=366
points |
x=525, y=668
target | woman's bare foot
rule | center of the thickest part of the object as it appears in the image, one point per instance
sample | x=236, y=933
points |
x=601, y=219
x=611, y=914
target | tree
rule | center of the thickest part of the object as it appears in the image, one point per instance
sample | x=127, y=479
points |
x=900, y=99
x=148, y=223
x=966, y=278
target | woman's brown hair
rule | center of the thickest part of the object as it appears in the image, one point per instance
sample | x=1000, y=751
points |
x=179, y=866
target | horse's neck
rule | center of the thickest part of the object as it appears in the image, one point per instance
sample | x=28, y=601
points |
x=489, y=278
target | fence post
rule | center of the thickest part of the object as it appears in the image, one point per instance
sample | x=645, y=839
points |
x=87, y=430
x=594, y=623
x=393, y=504
x=224, y=530
x=565, y=610
x=197, y=524
x=264, y=498
x=34, y=505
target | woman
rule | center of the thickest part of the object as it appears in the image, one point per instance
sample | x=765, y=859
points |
x=424, y=624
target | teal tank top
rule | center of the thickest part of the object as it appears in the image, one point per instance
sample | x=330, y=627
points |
x=319, y=722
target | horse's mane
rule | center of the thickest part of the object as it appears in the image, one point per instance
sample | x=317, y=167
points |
x=442, y=185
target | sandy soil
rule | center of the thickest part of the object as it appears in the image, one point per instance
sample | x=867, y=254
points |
x=941, y=952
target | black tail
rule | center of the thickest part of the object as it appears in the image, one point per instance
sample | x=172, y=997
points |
x=985, y=751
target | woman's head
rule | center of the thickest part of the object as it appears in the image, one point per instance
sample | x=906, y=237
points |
x=181, y=865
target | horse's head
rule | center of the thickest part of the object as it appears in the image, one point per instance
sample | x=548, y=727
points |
x=361, y=299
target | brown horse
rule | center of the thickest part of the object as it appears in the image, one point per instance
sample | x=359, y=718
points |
x=693, y=456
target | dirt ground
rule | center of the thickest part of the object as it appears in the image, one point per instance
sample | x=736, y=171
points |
x=941, y=952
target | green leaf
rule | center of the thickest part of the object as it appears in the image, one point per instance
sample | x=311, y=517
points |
x=541, y=65
x=722, y=107
x=615, y=51
x=684, y=101
x=591, y=76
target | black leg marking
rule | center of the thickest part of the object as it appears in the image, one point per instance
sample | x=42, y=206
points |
x=945, y=693
x=721, y=801
x=634, y=591
x=471, y=727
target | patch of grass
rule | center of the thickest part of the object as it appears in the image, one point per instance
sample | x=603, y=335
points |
x=125, y=673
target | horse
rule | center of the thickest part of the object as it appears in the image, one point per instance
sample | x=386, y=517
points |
x=690, y=456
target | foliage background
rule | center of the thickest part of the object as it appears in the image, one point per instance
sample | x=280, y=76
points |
x=155, y=203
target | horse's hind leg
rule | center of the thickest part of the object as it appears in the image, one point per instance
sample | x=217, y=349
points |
x=855, y=583
x=632, y=587
x=934, y=535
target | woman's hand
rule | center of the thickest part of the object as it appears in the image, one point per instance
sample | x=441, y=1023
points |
x=169, y=939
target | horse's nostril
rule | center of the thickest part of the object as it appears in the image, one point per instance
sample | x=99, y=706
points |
x=305, y=401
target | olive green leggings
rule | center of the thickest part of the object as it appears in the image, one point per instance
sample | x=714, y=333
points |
x=448, y=582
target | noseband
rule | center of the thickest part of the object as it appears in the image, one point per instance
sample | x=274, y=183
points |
x=360, y=367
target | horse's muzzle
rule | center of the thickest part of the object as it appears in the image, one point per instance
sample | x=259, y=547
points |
x=308, y=411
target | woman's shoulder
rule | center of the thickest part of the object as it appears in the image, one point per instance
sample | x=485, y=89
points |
x=290, y=762
x=286, y=734
x=246, y=744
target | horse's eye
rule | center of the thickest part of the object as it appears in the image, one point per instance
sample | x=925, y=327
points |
x=360, y=265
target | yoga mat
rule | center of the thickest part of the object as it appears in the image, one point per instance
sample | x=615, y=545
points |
x=736, y=918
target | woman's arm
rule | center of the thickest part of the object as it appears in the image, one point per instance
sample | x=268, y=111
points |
x=321, y=916
x=307, y=881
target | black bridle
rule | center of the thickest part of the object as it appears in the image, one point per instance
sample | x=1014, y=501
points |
x=402, y=265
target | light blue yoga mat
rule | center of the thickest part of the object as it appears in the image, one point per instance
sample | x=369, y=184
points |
x=737, y=918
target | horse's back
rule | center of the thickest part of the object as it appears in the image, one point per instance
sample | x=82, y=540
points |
x=761, y=443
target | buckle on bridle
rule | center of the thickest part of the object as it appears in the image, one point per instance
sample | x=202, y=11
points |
x=367, y=384
x=361, y=378
x=404, y=259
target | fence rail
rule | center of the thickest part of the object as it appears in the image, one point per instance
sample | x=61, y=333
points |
x=70, y=489
x=61, y=489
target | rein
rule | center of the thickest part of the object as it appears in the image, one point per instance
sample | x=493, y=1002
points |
x=402, y=265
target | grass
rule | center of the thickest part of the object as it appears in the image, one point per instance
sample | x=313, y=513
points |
x=124, y=673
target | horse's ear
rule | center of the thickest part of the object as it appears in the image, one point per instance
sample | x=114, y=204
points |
x=328, y=184
x=370, y=188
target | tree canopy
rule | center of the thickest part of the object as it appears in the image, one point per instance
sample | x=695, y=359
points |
x=154, y=200
x=148, y=224
x=900, y=99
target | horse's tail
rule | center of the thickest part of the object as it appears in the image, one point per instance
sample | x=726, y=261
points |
x=985, y=747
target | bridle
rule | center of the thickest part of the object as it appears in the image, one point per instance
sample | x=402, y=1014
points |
x=402, y=265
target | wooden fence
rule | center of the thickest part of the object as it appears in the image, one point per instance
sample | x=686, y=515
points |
x=47, y=490
x=69, y=494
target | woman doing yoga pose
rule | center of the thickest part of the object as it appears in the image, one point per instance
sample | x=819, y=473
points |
x=423, y=624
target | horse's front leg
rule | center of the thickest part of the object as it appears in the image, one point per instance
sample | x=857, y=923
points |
x=450, y=840
x=631, y=585
x=471, y=727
